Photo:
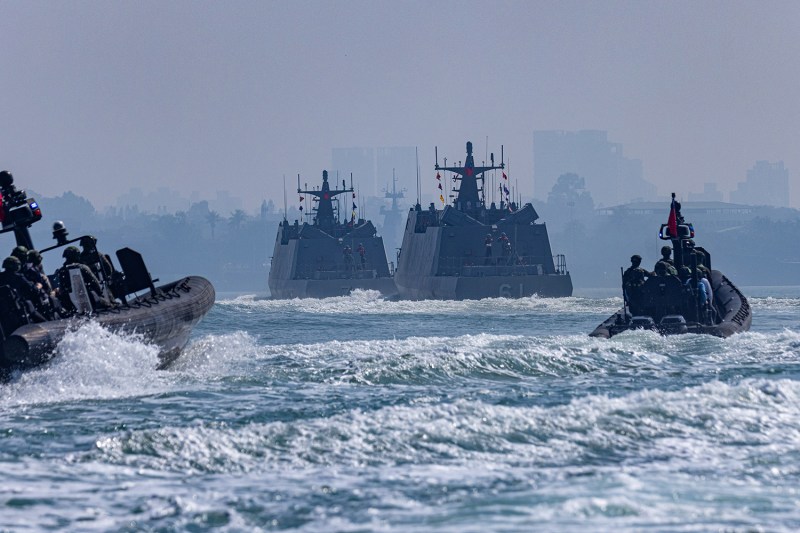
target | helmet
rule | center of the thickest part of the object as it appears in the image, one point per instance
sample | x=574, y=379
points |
x=636, y=258
x=503, y=234
x=685, y=272
x=71, y=253
x=34, y=257
x=20, y=252
x=666, y=250
x=488, y=235
x=88, y=240
x=11, y=263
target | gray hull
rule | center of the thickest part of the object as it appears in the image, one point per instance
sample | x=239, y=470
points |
x=476, y=288
x=309, y=263
x=449, y=262
x=329, y=288
x=166, y=320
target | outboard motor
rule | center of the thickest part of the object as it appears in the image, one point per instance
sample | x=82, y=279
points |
x=643, y=322
x=673, y=324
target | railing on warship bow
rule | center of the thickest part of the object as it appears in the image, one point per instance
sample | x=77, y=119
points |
x=353, y=270
x=515, y=265
x=560, y=262
x=474, y=266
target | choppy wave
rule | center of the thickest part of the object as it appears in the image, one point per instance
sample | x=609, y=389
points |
x=713, y=427
x=635, y=460
x=316, y=415
x=90, y=362
x=371, y=302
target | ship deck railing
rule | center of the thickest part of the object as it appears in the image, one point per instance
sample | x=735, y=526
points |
x=341, y=271
x=472, y=266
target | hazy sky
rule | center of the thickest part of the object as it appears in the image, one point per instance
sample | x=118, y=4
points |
x=100, y=96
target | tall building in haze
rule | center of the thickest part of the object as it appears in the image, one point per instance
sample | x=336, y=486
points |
x=611, y=178
x=766, y=184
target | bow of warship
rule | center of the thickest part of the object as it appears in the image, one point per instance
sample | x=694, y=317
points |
x=470, y=251
x=328, y=257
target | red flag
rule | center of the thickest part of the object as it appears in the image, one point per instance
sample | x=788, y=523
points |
x=438, y=176
x=504, y=176
x=672, y=223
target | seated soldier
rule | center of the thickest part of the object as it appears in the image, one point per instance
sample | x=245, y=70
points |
x=34, y=272
x=72, y=257
x=665, y=269
x=666, y=251
x=24, y=289
x=701, y=263
x=700, y=289
x=21, y=253
x=100, y=265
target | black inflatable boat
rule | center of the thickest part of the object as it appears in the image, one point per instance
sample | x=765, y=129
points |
x=163, y=315
x=677, y=300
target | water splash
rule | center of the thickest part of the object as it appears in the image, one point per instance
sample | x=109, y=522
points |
x=90, y=362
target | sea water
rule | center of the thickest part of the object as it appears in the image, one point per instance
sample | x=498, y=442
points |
x=359, y=414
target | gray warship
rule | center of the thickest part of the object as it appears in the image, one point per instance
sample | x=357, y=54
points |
x=328, y=257
x=470, y=251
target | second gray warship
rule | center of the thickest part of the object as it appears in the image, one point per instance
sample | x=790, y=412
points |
x=468, y=251
x=328, y=257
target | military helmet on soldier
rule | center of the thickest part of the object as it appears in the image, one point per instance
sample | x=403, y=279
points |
x=11, y=263
x=71, y=253
x=636, y=258
x=88, y=241
x=666, y=250
x=34, y=257
x=20, y=252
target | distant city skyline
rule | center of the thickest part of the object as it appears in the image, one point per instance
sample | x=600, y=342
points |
x=102, y=97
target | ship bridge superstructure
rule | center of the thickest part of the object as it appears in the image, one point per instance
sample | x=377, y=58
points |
x=470, y=196
x=325, y=213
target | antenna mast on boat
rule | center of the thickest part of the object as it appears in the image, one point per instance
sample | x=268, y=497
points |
x=285, y=208
x=416, y=154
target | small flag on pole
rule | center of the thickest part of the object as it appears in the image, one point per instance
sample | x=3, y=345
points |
x=672, y=221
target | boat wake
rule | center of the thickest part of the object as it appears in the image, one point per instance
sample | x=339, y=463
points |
x=90, y=362
x=371, y=302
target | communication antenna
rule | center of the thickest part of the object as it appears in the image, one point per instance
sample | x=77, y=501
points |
x=416, y=155
x=285, y=207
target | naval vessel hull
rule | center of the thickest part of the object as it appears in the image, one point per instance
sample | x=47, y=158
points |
x=477, y=288
x=309, y=263
x=309, y=288
x=450, y=262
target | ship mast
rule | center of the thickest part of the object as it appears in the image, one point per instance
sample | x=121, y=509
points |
x=468, y=198
x=324, y=197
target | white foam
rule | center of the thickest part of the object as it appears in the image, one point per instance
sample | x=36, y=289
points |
x=371, y=302
x=90, y=362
